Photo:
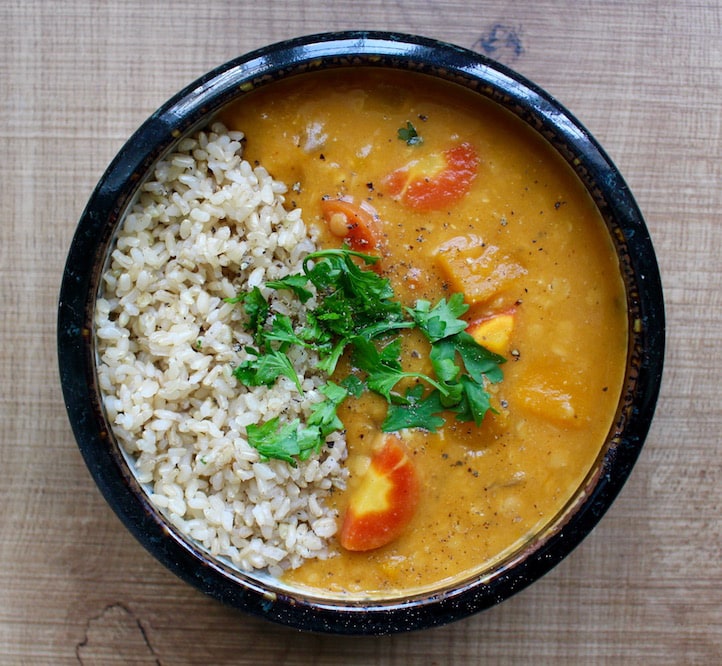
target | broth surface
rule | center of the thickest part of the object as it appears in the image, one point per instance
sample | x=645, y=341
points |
x=538, y=248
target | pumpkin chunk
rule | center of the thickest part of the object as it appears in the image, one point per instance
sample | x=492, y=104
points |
x=479, y=271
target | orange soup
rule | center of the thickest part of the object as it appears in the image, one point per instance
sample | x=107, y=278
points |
x=459, y=196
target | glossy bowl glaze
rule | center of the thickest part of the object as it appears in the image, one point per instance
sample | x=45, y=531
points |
x=192, y=108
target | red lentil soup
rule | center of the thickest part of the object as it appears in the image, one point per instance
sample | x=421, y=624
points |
x=522, y=239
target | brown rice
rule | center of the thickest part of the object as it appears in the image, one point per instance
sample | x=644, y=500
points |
x=207, y=226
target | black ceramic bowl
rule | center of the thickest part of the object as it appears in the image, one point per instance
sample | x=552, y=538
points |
x=189, y=110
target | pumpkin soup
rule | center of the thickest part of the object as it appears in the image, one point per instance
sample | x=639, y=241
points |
x=455, y=196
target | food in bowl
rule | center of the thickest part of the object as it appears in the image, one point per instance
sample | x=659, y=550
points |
x=416, y=442
x=168, y=339
x=243, y=240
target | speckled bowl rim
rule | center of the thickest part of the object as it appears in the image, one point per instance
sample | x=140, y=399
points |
x=191, y=108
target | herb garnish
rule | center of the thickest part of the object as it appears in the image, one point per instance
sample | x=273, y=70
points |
x=292, y=441
x=409, y=135
x=356, y=310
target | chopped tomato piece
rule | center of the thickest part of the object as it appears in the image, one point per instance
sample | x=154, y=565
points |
x=356, y=223
x=435, y=181
x=385, y=501
x=493, y=332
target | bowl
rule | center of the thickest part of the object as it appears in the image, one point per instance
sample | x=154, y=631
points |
x=258, y=593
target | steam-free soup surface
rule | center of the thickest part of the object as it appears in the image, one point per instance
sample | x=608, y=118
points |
x=523, y=241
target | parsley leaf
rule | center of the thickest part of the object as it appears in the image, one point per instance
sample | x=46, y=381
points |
x=273, y=440
x=282, y=331
x=443, y=361
x=323, y=414
x=383, y=379
x=295, y=283
x=384, y=367
x=354, y=386
x=415, y=412
x=292, y=441
x=356, y=308
x=257, y=309
x=330, y=360
x=442, y=320
x=475, y=402
x=265, y=369
x=478, y=360
x=409, y=135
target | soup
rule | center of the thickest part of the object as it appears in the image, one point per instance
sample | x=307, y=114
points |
x=461, y=198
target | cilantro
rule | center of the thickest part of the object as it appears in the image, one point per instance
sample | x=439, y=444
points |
x=356, y=311
x=409, y=135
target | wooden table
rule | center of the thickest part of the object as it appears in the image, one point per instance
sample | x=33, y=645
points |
x=79, y=76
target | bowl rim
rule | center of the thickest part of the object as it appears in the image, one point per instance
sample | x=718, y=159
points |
x=191, y=107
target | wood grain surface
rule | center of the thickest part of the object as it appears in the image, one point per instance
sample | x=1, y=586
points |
x=79, y=76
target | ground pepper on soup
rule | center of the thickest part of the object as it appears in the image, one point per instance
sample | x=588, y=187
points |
x=455, y=195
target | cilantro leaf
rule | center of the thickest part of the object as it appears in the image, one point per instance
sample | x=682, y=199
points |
x=409, y=135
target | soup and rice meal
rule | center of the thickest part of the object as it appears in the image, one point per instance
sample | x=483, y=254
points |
x=444, y=426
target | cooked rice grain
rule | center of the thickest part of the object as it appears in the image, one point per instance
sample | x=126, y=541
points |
x=206, y=227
